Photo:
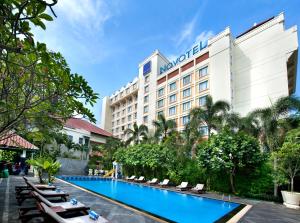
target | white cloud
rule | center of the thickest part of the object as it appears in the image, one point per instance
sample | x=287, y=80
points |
x=204, y=36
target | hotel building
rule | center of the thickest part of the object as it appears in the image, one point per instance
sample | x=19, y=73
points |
x=249, y=71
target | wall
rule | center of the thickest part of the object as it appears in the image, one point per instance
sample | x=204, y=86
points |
x=72, y=166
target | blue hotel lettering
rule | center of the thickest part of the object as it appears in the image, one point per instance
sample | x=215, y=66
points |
x=182, y=57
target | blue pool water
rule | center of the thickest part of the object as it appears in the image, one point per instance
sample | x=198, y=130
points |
x=169, y=205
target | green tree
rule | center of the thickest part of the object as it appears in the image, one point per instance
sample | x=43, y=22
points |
x=288, y=157
x=229, y=152
x=210, y=115
x=36, y=85
x=163, y=127
x=137, y=134
x=192, y=137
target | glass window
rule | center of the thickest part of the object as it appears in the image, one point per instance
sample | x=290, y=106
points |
x=118, y=114
x=123, y=120
x=135, y=106
x=203, y=71
x=129, y=109
x=80, y=141
x=203, y=85
x=204, y=130
x=135, y=115
x=173, y=86
x=186, y=106
x=202, y=100
x=146, y=89
x=123, y=112
x=161, y=92
x=160, y=113
x=145, y=119
x=146, y=98
x=172, y=98
x=129, y=126
x=172, y=110
x=146, y=108
x=186, y=80
x=147, y=79
x=129, y=118
x=160, y=103
x=70, y=137
x=185, y=119
x=186, y=92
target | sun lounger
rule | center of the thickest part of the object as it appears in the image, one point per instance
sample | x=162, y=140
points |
x=199, y=188
x=27, y=213
x=182, y=186
x=130, y=178
x=96, y=172
x=48, y=193
x=57, y=218
x=19, y=189
x=153, y=181
x=90, y=172
x=164, y=183
x=141, y=179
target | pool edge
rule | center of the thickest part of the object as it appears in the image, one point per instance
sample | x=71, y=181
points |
x=232, y=217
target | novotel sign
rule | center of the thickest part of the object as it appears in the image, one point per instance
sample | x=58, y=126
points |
x=194, y=50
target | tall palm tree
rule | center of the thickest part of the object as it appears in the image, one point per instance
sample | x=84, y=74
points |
x=211, y=115
x=137, y=134
x=192, y=137
x=164, y=127
x=274, y=122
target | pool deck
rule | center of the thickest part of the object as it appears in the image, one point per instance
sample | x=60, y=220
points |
x=261, y=211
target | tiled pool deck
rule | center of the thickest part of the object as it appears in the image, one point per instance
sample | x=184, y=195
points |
x=261, y=211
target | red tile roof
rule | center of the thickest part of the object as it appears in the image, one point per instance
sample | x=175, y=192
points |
x=77, y=123
x=13, y=140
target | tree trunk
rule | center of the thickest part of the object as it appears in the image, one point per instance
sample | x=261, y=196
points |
x=194, y=150
x=231, y=177
x=275, y=182
x=292, y=184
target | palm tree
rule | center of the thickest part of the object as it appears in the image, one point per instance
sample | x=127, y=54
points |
x=274, y=122
x=211, y=115
x=137, y=134
x=163, y=127
x=192, y=137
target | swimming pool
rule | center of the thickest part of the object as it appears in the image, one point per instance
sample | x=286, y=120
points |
x=167, y=205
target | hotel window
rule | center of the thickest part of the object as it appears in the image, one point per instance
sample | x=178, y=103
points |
x=146, y=89
x=123, y=112
x=117, y=130
x=130, y=101
x=113, y=116
x=202, y=100
x=160, y=103
x=70, y=137
x=172, y=110
x=147, y=79
x=129, y=109
x=146, y=108
x=118, y=114
x=129, y=126
x=123, y=128
x=172, y=98
x=112, y=124
x=135, y=115
x=203, y=85
x=146, y=119
x=135, y=106
x=160, y=113
x=80, y=141
x=186, y=92
x=129, y=118
x=186, y=106
x=146, y=98
x=186, y=80
x=203, y=71
x=123, y=120
x=204, y=130
x=118, y=122
x=185, y=119
x=161, y=92
x=172, y=86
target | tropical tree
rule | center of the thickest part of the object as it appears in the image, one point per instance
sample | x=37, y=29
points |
x=274, y=123
x=36, y=85
x=163, y=127
x=137, y=134
x=192, y=137
x=210, y=115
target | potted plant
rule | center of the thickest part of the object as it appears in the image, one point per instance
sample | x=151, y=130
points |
x=288, y=161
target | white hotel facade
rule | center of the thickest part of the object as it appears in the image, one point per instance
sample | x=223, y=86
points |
x=249, y=71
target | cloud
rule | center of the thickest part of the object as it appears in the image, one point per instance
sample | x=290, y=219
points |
x=78, y=31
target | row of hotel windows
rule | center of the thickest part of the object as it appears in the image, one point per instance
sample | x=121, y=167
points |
x=129, y=109
x=185, y=106
x=185, y=93
x=129, y=101
x=129, y=118
x=127, y=90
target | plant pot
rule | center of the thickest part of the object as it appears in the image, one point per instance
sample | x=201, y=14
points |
x=291, y=199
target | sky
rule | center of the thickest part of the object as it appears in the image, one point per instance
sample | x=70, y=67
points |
x=105, y=40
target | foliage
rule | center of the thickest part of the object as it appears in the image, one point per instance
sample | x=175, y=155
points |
x=137, y=134
x=163, y=127
x=211, y=114
x=45, y=164
x=288, y=158
x=37, y=87
x=230, y=152
x=8, y=156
